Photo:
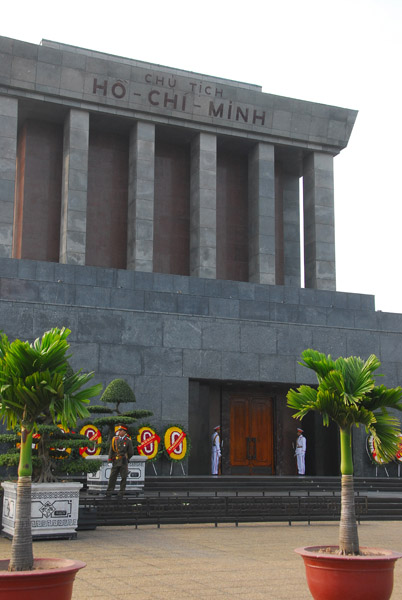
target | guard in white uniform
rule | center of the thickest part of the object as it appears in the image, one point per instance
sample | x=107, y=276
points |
x=216, y=450
x=300, y=452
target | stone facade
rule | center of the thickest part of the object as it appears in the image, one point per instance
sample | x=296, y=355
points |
x=163, y=334
x=173, y=199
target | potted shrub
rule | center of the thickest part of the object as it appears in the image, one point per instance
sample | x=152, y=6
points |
x=117, y=394
x=348, y=395
x=34, y=382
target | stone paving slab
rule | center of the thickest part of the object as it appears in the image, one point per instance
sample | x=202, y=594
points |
x=185, y=562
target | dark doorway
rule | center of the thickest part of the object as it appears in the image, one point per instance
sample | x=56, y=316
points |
x=258, y=431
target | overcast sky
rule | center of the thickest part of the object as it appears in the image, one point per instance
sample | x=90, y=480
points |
x=342, y=52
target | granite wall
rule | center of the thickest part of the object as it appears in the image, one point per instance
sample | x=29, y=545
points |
x=160, y=332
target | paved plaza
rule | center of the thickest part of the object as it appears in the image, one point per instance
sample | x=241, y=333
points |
x=178, y=562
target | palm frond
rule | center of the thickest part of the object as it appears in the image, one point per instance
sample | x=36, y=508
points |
x=318, y=362
x=302, y=400
x=358, y=378
x=34, y=381
x=383, y=397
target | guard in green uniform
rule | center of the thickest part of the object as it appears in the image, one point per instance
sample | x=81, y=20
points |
x=121, y=450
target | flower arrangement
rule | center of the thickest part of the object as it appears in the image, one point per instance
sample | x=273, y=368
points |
x=176, y=443
x=149, y=442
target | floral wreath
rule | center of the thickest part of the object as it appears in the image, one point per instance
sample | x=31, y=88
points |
x=398, y=455
x=176, y=443
x=93, y=434
x=375, y=459
x=149, y=442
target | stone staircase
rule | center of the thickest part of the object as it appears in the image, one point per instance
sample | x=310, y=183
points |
x=169, y=500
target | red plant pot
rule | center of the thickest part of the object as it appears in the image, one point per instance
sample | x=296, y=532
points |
x=336, y=577
x=51, y=579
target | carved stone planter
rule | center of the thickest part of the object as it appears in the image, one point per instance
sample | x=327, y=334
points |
x=98, y=482
x=54, y=509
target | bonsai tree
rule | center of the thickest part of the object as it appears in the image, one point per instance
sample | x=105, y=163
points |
x=55, y=452
x=117, y=393
x=34, y=384
x=348, y=395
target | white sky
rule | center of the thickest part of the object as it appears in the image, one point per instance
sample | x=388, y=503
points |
x=342, y=52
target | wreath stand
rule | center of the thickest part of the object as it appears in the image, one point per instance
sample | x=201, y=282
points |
x=385, y=469
x=171, y=467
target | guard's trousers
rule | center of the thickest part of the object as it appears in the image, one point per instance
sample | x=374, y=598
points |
x=116, y=470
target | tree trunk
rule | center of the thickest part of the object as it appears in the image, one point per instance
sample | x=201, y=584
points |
x=21, y=549
x=348, y=536
x=45, y=473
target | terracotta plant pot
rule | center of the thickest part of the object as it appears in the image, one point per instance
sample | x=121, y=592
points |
x=52, y=580
x=334, y=577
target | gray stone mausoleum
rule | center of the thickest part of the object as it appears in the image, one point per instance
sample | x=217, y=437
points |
x=156, y=213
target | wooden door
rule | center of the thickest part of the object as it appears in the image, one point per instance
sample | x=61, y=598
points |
x=251, y=435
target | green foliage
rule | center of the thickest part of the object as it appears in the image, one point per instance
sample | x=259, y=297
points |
x=347, y=394
x=82, y=466
x=38, y=388
x=34, y=382
x=116, y=393
x=49, y=461
x=138, y=414
x=95, y=409
x=10, y=458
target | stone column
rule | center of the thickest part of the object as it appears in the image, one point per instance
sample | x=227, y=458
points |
x=261, y=177
x=140, y=225
x=73, y=226
x=319, y=222
x=8, y=155
x=291, y=230
x=203, y=206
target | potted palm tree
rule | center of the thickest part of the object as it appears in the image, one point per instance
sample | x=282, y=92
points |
x=348, y=395
x=34, y=381
x=56, y=462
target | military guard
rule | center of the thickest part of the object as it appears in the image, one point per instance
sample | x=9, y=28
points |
x=300, y=452
x=216, y=451
x=121, y=450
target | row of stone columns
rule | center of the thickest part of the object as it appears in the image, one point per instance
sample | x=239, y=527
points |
x=318, y=200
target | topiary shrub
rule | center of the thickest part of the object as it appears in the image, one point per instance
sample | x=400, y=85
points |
x=118, y=392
